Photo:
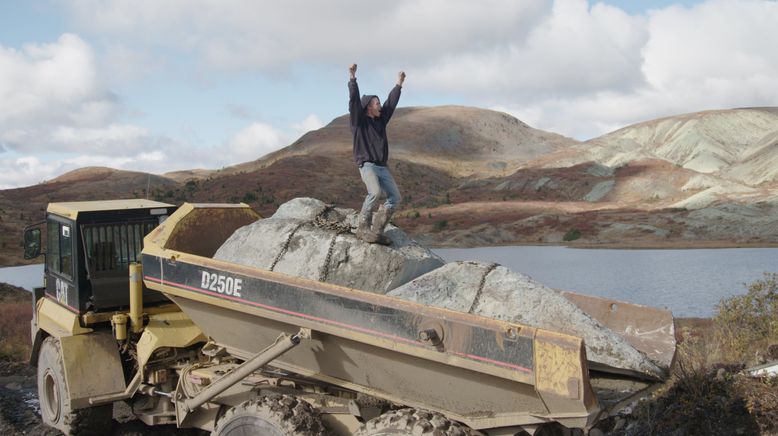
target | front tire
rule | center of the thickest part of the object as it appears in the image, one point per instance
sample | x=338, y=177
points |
x=276, y=415
x=55, y=398
x=411, y=422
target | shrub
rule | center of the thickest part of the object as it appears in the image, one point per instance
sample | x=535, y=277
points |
x=440, y=225
x=747, y=324
x=249, y=197
x=700, y=398
x=15, y=331
x=572, y=235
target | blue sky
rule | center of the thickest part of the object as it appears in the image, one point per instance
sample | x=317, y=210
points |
x=160, y=86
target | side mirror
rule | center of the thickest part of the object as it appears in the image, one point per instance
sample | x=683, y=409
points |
x=32, y=243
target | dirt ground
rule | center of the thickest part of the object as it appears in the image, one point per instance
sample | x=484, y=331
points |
x=662, y=414
x=20, y=411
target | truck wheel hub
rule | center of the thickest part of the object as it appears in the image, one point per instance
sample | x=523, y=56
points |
x=50, y=404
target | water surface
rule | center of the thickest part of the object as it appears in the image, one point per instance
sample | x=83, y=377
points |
x=27, y=276
x=688, y=282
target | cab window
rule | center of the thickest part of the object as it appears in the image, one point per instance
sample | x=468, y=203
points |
x=112, y=247
x=60, y=248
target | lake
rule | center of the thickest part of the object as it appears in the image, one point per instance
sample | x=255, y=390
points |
x=688, y=282
x=27, y=276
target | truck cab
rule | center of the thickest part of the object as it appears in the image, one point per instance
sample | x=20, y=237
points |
x=89, y=247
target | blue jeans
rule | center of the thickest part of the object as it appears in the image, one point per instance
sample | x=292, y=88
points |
x=378, y=180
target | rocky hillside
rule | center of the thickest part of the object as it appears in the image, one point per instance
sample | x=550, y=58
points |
x=739, y=144
x=477, y=177
x=729, y=154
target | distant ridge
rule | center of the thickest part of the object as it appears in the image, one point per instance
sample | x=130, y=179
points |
x=736, y=144
x=472, y=176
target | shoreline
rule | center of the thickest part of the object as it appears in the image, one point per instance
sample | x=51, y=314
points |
x=647, y=245
x=633, y=245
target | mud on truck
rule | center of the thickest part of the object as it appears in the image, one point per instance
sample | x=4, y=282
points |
x=134, y=309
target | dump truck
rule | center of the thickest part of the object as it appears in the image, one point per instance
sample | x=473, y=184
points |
x=134, y=309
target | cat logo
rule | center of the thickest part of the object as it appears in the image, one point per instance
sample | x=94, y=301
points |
x=62, y=291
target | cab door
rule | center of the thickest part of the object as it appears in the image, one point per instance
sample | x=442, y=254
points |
x=61, y=262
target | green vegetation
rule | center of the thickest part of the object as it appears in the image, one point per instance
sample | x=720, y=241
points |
x=249, y=197
x=16, y=307
x=747, y=324
x=571, y=235
x=440, y=225
x=191, y=186
x=15, y=331
x=708, y=393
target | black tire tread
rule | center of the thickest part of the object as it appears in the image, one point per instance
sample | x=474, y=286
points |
x=294, y=417
x=414, y=422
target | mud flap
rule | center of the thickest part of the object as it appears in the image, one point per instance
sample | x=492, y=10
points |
x=92, y=366
x=561, y=379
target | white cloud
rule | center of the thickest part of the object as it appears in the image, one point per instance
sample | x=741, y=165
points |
x=572, y=50
x=254, y=141
x=127, y=64
x=259, y=139
x=49, y=88
x=311, y=122
x=54, y=82
x=57, y=116
x=575, y=67
x=715, y=55
x=250, y=34
x=111, y=139
x=23, y=171
x=94, y=161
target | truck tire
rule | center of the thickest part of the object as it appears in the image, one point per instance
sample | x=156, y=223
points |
x=275, y=415
x=55, y=398
x=414, y=422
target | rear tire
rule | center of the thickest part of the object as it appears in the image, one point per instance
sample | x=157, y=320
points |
x=407, y=422
x=55, y=398
x=276, y=415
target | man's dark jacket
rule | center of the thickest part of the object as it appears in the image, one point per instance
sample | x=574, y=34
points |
x=370, y=143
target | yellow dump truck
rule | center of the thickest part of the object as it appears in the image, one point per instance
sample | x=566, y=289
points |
x=135, y=309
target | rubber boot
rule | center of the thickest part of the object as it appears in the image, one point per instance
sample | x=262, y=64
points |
x=380, y=220
x=363, y=228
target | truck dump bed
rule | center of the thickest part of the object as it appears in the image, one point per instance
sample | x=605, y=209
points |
x=483, y=372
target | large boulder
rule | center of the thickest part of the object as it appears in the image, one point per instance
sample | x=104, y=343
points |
x=495, y=291
x=307, y=238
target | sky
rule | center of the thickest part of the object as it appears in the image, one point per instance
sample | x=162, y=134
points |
x=160, y=86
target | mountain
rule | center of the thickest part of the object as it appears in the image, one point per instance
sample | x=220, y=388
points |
x=461, y=141
x=738, y=144
x=471, y=176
